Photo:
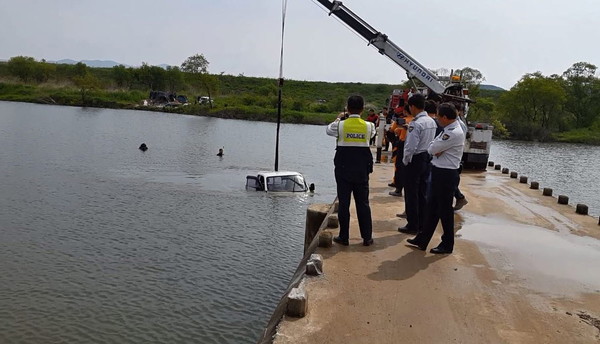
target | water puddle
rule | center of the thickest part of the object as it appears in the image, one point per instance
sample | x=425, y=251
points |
x=544, y=260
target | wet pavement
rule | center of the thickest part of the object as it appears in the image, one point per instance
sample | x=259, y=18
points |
x=524, y=270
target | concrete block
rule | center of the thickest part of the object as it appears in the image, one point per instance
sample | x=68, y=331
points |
x=514, y=174
x=581, y=209
x=325, y=239
x=523, y=180
x=490, y=163
x=497, y=167
x=562, y=199
x=505, y=170
x=314, y=266
x=535, y=185
x=297, y=303
x=547, y=192
x=333, y=221
x=315, y=215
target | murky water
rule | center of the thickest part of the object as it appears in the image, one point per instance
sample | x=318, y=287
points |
x=103, y=243
x=569, y=169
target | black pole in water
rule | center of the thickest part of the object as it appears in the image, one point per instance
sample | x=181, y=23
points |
x=278, y=124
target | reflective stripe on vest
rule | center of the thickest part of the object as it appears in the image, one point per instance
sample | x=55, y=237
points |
x=353, y=132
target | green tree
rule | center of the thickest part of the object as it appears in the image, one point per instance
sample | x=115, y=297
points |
x=583, y=98
x=22, y=67
x=86, y=83
x=173, y=78
x=197, y=66
x=472, y=78
x=122, y=76
x=81, y=69
x=153, y=77
x=42, y=71
x=533, y=107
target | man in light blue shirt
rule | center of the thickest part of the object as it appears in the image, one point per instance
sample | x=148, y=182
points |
x=447, y=150
x=421, y=131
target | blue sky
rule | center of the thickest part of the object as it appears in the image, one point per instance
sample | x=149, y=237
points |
x=503, y=39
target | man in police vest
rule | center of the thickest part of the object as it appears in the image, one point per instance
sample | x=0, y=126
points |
x=447, y=150
x=353, y=163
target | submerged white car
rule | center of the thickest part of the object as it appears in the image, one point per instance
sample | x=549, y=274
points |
x=283, y=181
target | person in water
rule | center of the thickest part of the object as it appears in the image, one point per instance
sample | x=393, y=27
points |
x=220, y=152
x=143, y=147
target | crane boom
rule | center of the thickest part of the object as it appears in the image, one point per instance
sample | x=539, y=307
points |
x=384, y=45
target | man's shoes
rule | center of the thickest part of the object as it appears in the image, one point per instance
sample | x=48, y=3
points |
x=395, y=193
x=407, y=230
x=461, y=202
x=341, y=241
x=392, y=185
x=440, y=250
x=368, y=242
x=403, y=215
x=415, y=243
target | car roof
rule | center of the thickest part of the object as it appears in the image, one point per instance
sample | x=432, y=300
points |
x=268, y=174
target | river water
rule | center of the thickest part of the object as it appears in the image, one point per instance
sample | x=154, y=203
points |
x=569, y=169
x=103, y=243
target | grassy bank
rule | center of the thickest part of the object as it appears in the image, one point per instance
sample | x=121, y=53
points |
x=245, y=107
x=584, y=135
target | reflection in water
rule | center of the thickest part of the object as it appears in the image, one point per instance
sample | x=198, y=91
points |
x=548, y=261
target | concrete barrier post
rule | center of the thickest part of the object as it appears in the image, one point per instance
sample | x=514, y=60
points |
x=535, y=185
x=505, y=170
x=490, y=163
x=315, y=215
x=326, y=239
x=523, y=180
x=314, y=266
x=297, y=304
x=547, y=192
x=581, y=209
x=333, y=221
x=497, y=167
x=514, y=174
x=562, y=199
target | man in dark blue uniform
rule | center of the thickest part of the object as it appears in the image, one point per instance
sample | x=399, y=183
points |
x=353, y=163
x=447, y=150
x=421, y=131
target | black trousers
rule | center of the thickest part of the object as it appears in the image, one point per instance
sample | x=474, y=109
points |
x=415, y=190
x=345, y=188
x=443, y=184
x=399, y=166
x=457, y=194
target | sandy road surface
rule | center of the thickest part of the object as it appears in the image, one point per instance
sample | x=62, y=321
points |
x=524, y=270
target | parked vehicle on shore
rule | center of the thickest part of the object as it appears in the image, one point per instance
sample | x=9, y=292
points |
x=203, y=100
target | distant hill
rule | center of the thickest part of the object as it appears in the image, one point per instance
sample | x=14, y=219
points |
x=490, y=88
x=90, y=63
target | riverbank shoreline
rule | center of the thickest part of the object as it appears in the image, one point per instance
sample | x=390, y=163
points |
x=522, y=272
x=195, y=110
x=257, y=114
